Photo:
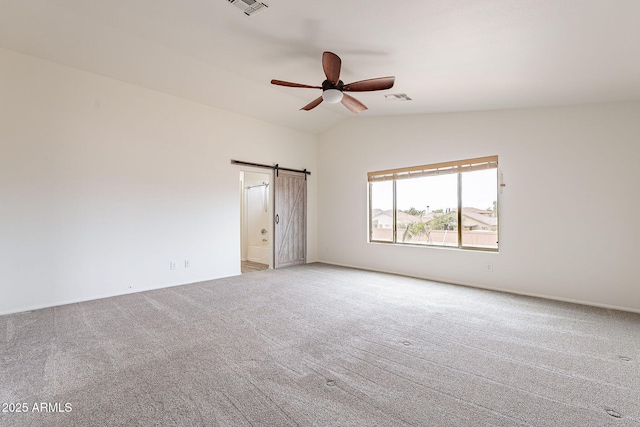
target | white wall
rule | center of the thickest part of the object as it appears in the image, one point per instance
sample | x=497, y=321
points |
x=102, y=184
x=571, y=170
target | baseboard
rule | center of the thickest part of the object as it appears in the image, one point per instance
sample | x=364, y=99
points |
x=470, y=285
x=491, y=288
x=109, y=295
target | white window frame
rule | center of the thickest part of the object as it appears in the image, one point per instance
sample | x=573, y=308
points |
x=458, y=167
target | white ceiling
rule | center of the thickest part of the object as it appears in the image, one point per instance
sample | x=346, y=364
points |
x=447, y=55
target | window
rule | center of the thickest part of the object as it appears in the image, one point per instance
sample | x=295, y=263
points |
x=452, y=204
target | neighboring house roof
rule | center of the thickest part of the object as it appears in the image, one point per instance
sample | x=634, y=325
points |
x=476, y=210
x=478, y=215
x=408, y=218
x=400, y=216
x=474, y=214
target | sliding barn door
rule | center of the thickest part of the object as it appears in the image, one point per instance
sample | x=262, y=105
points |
x=290, y=219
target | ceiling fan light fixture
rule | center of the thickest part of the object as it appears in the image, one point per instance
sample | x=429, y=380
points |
x=332, y=96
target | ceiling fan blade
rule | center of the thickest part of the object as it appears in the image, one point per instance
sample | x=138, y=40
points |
x=331, y=64
x=352, y=104
x=289, y=84
x=380, y=83
x=313, y=104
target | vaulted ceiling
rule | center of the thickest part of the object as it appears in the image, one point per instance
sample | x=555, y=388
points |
x=447, y=55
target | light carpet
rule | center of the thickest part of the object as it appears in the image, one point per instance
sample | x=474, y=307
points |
x=320, y=345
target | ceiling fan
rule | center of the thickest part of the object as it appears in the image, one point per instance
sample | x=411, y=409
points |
x=333, y=89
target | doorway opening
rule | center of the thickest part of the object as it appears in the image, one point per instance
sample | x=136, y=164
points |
x=256, y=218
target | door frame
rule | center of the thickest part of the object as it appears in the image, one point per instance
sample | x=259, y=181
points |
x=271, y=228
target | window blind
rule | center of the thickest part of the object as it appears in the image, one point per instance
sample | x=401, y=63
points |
x=480, y=163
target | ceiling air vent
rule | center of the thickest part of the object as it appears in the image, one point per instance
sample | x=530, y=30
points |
x=249, y=7
x=397, y=97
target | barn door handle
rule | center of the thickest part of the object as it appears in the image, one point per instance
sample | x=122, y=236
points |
x=277, y=219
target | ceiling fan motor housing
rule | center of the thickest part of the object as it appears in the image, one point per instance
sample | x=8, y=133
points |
x=326, y=85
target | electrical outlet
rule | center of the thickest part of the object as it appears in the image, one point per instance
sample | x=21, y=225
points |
x=489, y=267
x=187, y=263
x=172, y=265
